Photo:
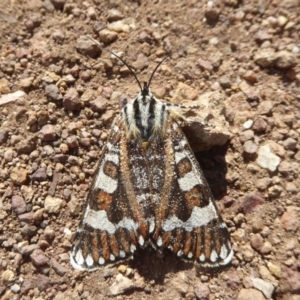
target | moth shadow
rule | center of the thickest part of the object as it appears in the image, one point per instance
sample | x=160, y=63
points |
x=154, y=266
x=213, y=165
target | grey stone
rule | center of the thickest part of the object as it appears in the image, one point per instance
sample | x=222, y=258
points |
x=121, y=285
x=87, y=47
x=18, y=204
x=265, y=287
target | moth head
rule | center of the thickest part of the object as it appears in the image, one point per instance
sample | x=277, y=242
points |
x=145, y=90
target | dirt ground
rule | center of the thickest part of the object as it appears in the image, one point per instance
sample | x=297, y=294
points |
x=59, y=95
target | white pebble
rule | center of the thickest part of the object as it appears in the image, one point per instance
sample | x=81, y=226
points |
x=67, y=232
x=214, y=41
x=266, y=159
x=295, y=49
x=282, y=20
x=248, y=124
x=15, y=288
x=118, y=26
x=124, y=25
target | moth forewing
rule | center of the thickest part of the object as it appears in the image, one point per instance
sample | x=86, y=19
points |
x=108, y=229
x=148, y=189
x=188, y=221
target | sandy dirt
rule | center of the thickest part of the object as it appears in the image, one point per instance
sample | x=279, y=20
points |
x=59, y=94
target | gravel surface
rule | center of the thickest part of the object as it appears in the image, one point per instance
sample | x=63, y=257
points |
x=59, y=93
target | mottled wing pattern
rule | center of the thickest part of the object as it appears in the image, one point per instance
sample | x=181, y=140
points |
x=186, y=218
x=148, y=188
x=113, y=224
x=135, y=177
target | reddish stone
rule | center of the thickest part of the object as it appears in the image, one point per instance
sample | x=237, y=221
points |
x=42, y=282
x=290, y=220
x=251, y=201
x=39, y=258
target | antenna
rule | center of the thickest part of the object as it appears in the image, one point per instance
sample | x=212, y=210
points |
x=169, y=55
x=117, y=56
x=146, y=85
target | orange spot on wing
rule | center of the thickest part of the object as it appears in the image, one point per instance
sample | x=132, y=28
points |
x=114, y=245
x=166, y=238
x=184, y=167
x=193, y=198
x=218, y=244
x=105, y=246
x=95, y=245
x=133, y=237
x=144, y=229
x=104, y=200
x=207, y=250
x=198, y=243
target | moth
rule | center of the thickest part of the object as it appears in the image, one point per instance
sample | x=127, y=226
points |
x=148, y=189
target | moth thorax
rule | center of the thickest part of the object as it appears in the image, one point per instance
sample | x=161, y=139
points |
x=145, y=118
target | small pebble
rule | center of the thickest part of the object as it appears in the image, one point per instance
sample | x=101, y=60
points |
x=250, y=294
x=250, y=147
x=282, y=20
x=285, y=60
x=265, y=58
x=202, y=291
x=259, y=126
x=107, y=36
x=248, y=124
x=53, y=205
x=212, y=11
x=265, y=287
x=290, y=144
x=71, y=100
x=19, y=175
x=266, y=248
x=274, y=269
x=15, y=288
x=114, y=15
x=91, y=13
x=48, y=133
x=52, y=92
x=39, y=175
x=18, y=204
x=290, y=219
x=256, y=241
x=121, y=285
x=206, y=65
x=118, y=26
x=87, y=47
x=7, y=276
x=266, y=159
